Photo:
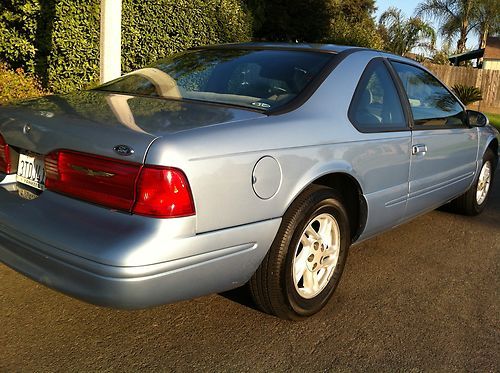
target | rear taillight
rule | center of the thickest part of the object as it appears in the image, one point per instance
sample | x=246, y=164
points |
x=163, y=192
x=5, y=159
x=160, y=192
x=100, y=180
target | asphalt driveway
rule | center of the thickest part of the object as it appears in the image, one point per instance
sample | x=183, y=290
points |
x=423, y=297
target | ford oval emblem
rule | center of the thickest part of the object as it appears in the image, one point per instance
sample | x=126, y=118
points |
x=123, y=150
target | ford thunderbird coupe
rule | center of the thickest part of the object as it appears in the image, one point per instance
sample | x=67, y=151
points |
x=228, y=165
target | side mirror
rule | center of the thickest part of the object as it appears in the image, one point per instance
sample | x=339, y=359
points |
x=477, y=119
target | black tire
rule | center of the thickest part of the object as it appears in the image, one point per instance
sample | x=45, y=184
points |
x=467, y=203
x=272, y=285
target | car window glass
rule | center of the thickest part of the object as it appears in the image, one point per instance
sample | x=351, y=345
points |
x=247, y=79
x=432, y=105
x=196, y=80
x=259, y=79
x=376, y=105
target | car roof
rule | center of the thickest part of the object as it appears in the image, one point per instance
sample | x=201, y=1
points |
x=316, y=47
x=330, y=48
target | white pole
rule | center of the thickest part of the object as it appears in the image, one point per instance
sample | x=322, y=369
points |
x=110, y=48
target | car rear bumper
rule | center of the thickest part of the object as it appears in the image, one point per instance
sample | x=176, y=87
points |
x=139, y=287
x=184, y=267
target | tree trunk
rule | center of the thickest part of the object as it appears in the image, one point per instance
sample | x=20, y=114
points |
x=483, y=36
x=463, y=36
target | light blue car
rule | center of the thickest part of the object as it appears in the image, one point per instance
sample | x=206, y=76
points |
x=232, y=164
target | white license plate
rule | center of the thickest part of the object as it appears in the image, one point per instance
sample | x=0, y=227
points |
x=31, y=171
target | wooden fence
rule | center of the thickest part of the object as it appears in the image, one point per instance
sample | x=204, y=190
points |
x=487, y=80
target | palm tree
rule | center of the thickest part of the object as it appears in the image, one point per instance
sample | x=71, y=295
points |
x=487, y=19
x=402, y=34
x=454, y=17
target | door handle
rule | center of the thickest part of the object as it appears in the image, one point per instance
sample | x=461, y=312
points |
x=419, y=149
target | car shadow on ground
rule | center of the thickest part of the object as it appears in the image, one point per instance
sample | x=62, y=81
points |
x=242, y=296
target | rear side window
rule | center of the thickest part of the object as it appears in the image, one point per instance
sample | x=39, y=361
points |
x=376, y=105
x=432, y=105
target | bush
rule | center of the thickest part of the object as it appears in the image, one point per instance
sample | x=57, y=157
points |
x=352, y=24
x=351, y=31
x=58, y=40
x=467, y=94
x=441, y=58
x=291, y=20
x=17, y=85
x=346, y=22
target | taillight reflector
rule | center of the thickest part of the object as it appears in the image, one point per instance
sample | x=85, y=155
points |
x=160, y=192
x=5, y=159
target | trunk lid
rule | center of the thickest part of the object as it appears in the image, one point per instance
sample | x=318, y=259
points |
x=96, y=122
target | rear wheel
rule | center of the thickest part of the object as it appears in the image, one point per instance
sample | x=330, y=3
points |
x=305, y=262
x=474, y=200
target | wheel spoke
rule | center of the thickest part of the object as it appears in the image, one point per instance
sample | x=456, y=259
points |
x=311, y=233
x=311, y=283
x=325, y=230
x=305, y=241
x=315, y=281
x=329, y=261
x=300, y=264
x=332, y=250
x=334, y=244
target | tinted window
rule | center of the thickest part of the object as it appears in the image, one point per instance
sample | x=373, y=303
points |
x=376, y=105
x=262, y=79
x=431, y=103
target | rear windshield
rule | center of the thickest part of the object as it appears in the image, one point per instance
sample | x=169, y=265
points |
x=257, y=79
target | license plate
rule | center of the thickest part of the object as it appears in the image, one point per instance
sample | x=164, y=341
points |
x=31, y=171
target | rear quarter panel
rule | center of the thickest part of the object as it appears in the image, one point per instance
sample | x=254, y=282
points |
x=309, y=142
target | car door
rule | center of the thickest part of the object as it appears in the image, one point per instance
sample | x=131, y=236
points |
x=444, y=147
x=381, y=156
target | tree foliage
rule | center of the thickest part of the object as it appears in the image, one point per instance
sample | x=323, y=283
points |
x=347, y=22
x=352, y=24
x=454, y=17
x=291, y=20
x=459, y=18
x=402, y=34
x=58, y=40
x=441, y=57
x=487, y=20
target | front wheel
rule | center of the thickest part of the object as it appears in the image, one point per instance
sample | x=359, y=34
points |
x=474, y=200
x=305, y=262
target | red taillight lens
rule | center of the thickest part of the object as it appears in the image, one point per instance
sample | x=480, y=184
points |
x=160, y=192
x=5, y=161
x=99, y=180
x=163, y=192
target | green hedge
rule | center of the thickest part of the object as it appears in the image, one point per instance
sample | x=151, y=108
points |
x=58, y=40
